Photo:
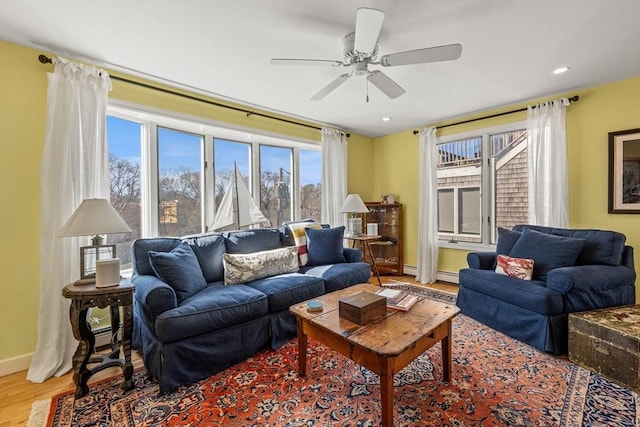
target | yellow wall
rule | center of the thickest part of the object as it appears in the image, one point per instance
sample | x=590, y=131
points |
x=23, y=97
x=601, y=109
x=376, y=166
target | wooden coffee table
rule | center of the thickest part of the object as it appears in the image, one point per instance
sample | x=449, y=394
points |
x=384, y=345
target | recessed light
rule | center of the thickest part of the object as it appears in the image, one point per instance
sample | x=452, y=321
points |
x=561, y=70
x=386, y=119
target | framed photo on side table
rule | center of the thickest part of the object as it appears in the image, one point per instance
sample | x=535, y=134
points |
x=624, y=171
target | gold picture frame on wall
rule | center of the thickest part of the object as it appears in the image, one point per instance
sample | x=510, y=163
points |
x=624, y=171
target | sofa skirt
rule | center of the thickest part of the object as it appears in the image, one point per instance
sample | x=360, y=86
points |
x=547, y=333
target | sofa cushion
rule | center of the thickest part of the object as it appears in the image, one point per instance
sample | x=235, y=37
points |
x=340, y=276
x=297, y=231
x=179, y=268
x=249, y=241
x=548, y=251
x=243, y=268
x=521, y=268
x=215, y=307
x=530, y=295
x=325, y=245
x=601, y=246
x=209, y=250
x=285, y=290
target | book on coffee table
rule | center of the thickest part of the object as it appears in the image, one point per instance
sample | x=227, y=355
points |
x=397, y=299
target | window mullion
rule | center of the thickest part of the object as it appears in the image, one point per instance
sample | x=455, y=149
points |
x=149, y=188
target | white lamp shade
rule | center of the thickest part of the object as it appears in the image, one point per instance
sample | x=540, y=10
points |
x=353, y=203
x=94, y=217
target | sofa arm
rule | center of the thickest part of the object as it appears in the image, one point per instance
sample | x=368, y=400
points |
x=153, y=295
x=481, y=260
x=353, y=255
x=590, y=278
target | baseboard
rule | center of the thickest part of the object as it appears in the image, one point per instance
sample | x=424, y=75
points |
x=442, y=276
x=15, y=364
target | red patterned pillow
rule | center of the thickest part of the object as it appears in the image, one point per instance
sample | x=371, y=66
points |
x=522, y=268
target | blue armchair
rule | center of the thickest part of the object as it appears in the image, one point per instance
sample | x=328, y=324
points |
x=574, y=270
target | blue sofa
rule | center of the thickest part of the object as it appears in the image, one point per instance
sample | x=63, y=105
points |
x=574, y=270
x=190, y=325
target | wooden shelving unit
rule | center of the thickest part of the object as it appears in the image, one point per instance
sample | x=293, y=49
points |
x=388, y=250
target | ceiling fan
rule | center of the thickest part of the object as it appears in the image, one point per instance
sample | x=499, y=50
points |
x=360, y=49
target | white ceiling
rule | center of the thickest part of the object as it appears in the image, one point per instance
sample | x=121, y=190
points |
x=223, y=48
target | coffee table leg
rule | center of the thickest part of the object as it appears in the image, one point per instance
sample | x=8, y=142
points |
x=386, y=394
x=446, y=354
x=302, y=350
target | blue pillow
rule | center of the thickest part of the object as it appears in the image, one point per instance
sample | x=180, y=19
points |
x=325, y=246
x=547, y=251
x=179, y=269
x=506, y=241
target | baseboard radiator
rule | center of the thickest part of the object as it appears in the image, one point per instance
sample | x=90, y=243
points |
x=441, y=276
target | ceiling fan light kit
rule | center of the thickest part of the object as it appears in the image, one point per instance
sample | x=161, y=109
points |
x=360, y=49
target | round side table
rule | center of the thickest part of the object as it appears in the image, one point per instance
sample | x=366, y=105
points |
x=84, y=297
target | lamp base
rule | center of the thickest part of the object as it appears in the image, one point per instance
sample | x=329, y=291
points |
x=87, y=281
x=354, y=227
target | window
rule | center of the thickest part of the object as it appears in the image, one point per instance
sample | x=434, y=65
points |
x=168, y=173
x=179, y=182
x=482, y=183
x=123, y=139
x=310, y=184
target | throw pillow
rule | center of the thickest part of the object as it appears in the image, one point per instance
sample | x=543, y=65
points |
x=300, y=238
x=506, y=241
x=179, y=269
x=243, y=268
x=521, y=268
x=548, y=251
x=325, y=245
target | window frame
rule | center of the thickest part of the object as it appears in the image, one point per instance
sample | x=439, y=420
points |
x=487, y=204
x=151, y=119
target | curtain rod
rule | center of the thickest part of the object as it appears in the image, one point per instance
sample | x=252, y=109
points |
x=46, y=60
x=574, y=98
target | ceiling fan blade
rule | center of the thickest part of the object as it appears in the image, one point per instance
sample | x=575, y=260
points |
x=330, y=87
x=294, y=61
x=421, y=56
x=368, y=25
x=385, y=84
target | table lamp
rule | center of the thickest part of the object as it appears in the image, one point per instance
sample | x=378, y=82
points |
x=353, y=204
x=94, y=217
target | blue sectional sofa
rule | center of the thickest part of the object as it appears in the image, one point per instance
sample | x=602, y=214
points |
x=574, y=270
x=189, y=324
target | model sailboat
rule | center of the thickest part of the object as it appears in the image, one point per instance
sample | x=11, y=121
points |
x=237, y=208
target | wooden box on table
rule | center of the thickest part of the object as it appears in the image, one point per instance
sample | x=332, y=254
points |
x=607, y=342
x=362, y=307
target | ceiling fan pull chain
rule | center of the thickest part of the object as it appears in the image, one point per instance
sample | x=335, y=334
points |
x=367, y=91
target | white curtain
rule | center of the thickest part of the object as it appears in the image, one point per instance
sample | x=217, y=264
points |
x=548, y=177
x=75, y=166
x=334, y=175
x=427, y=207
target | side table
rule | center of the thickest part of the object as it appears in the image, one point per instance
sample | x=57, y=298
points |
x=84, y=297
x=364, y=240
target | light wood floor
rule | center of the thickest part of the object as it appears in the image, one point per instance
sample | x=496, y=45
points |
x=17, y=394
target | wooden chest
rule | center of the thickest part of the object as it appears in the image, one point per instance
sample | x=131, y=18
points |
x=362, y=307
x=607, y=341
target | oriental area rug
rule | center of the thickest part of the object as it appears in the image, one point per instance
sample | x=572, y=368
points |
x=496, y=381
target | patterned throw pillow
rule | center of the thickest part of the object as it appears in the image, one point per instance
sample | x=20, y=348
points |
x=521, y=268
x=243, y=268
x=300, y=238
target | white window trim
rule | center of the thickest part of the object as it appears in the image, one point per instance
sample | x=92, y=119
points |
x=486, y=178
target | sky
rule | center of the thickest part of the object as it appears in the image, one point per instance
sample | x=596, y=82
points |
x=181, y=150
